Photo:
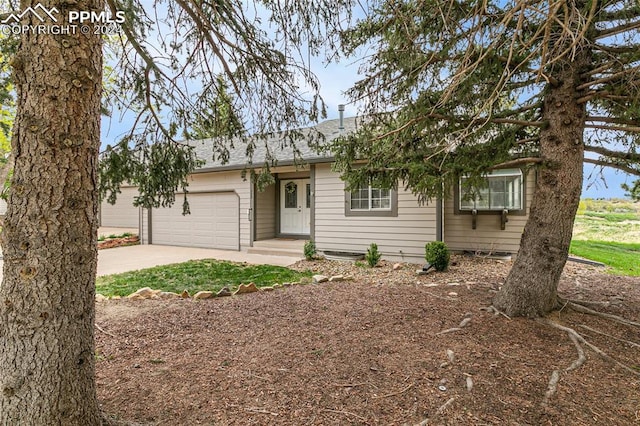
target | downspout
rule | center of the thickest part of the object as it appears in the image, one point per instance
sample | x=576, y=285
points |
x=439, y=219
x=251, y=214
x=440, y=216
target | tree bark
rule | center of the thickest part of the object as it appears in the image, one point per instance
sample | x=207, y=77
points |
x=530, y=289
x=47, y=367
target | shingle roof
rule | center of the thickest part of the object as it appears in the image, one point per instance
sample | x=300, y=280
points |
x=238, y=157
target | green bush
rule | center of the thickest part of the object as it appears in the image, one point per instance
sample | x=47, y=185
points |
x=373, y=255
x=437, y=254
x=310, y=250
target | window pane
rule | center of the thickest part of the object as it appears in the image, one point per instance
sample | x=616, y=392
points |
x=514, y=185
x=497, y=200
x=291, y=195
x=482, y=199
x=359, y=204
x=360, y=199
x=308, y=195
x=380, y=199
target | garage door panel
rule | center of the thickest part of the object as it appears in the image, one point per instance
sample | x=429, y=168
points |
x=214, y=222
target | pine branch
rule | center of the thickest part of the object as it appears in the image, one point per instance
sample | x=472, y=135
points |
x=609, y=78
x=525, y=161
x=626, y=156
x=615, y=15
x=604, y=95
x=621, y=167
x=632, y=129
x=632, y=48
x=617, y=30
x=613, y=120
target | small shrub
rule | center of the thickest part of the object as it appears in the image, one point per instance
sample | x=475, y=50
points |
x=437, y=254
x=373, y=255
x=310, y=250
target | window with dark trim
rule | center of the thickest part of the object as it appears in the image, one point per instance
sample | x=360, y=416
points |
x=502, y=190
x=371, y=201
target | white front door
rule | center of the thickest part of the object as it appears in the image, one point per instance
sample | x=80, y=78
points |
x=295, y=206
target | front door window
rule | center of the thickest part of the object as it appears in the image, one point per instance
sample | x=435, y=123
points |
x=291, y=195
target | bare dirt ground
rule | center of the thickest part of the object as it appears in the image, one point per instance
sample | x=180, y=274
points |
x=368, y=351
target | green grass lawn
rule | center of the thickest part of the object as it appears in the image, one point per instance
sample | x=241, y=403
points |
x=623, y=258
x=609, y=232
x=194, y=276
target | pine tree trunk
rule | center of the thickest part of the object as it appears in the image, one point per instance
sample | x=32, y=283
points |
x=531, y=287
x=47, y=311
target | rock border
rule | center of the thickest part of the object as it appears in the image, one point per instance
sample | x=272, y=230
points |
x=147, y=293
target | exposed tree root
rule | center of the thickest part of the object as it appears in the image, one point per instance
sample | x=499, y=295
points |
x=104, y=331
x=395, y=393
x=260, y=411
x=578, y=341
x=591, y=346
x=495, y=311
x=552, y=387
x=346, y=413
x=583, y=309
x=593, y=330
x=465, y=321
x=555, y=375
x=444, y=406
x=581, y=357
x=591, y=302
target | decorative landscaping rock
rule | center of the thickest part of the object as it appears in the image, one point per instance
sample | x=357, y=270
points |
x=316, y=279
x=168, y=295
x=203, y=295
x=453, y=294
x=145, y=292
x=184, y=294
x=100, y=298
x=397, y=266
x=423, y=272
x=224, y=291
x=336, y=278
x=246, y=288
x=281, y=285
x=135, y=296
x=266, y=289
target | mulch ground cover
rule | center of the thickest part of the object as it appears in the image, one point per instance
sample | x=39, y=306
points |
x=377, y=349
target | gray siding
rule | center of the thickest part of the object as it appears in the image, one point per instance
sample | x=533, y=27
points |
x=487, y=237
x=266, y=213
x=122, y=214
x=398, y=238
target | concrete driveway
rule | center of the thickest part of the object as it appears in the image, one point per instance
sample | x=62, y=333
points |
x=131, y=258
x=124, y=259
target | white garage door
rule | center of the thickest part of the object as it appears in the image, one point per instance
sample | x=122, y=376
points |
x=214, y=222
x=122, y=214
